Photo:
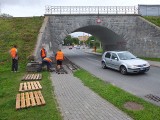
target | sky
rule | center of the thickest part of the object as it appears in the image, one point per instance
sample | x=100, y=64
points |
x=29, y=8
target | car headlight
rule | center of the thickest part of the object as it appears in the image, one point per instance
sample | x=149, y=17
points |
x=147, y=64
x=132, y=66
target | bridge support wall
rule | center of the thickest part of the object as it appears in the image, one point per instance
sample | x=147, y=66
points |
x=116, y=32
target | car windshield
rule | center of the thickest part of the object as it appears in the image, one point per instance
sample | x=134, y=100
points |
x=126, y=56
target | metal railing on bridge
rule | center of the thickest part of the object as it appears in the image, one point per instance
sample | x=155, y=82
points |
x=91, y=10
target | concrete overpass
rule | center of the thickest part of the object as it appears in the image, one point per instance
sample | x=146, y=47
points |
x=117, y=31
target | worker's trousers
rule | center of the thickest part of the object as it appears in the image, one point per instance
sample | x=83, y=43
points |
x=14, y=65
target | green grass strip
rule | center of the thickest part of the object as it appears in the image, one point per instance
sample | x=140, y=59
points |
x=154, y=19
x=22, y=32
x=151, y=59
x=118, y=97
x=9, y=88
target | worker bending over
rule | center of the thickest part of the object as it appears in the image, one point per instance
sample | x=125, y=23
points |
x=48, y=62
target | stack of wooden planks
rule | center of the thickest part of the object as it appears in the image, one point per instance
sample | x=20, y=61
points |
x=28, y=86
x=28, y=99
x=32, y=77
x=29, y=96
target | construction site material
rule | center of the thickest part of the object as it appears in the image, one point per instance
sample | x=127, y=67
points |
x=36, y=76
x=28, y=86
x=34, y=67
x=29, y=99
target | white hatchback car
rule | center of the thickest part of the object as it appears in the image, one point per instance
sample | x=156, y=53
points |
x=124, y=61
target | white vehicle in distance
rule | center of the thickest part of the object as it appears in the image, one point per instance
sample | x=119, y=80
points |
x=124, y=61
x=78, y=47
x=70, y=47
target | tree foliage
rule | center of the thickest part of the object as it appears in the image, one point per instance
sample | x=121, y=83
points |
x=69, y=40
x=92, y=41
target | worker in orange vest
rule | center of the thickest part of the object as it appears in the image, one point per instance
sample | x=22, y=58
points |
x=14, y=55
x=43, y=52
x=59, y=58
x=47, y=61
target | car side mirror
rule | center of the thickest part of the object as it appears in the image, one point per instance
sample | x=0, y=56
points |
x=116, y=59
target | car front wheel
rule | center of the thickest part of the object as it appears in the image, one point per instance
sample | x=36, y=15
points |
x=104, y=65
x=123, y=70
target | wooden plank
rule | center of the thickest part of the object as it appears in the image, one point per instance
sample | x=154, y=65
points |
x=29, y=85
x=18, y=102
x=26, y=77
x=21, y=87
x=22, y=101
x=33, y=102
x=32, y=77
x=27, y=99
x=32, y=85
x=37, y=77
x=29, y=76
x=35, y=85
x=37, y=98
x=25, y=86
x=41, y=98
x=40, y=76
x=39, y=85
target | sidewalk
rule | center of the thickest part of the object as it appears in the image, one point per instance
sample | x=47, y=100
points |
x=154, y=63
x=78, y=102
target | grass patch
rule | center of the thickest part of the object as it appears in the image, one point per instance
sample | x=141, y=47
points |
x=118, y=97
x=9, y=88
x=99, y=50
x=22, y=32
x=152, y=59
x=154, y=19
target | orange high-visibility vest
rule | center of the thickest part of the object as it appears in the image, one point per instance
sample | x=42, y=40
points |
x=48, y=59
x=59, y=55
x=43, y=53
x=13, y=52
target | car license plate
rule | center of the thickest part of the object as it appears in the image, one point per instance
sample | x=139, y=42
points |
x=142, y=68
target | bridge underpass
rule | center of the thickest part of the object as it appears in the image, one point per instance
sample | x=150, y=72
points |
x=116, y=32
x=109, y=39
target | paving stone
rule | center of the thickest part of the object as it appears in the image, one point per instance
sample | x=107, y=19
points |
x=78, y=102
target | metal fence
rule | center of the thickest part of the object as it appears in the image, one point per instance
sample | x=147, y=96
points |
x=91, y=10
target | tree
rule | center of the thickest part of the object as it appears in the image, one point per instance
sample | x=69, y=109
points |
x=5, y=15
x=68, y=40
x=75, y=41
x=91, y=40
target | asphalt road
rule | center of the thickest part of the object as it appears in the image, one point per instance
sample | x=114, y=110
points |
x=137, y=84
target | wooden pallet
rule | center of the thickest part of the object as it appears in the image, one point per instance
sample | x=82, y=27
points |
x=29, y=99
x=28, y=86
x=32, y=77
